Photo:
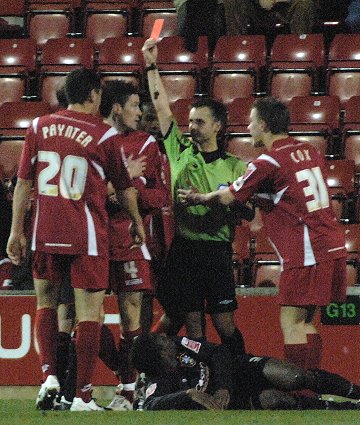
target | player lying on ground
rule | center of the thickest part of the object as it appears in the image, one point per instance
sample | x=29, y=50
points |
x=186, y=374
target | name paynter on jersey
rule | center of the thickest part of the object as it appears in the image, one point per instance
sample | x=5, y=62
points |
x=69, y=131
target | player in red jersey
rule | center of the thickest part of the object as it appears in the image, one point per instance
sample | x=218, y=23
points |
x=289, y=181
x=130, y=271
x=68, y=157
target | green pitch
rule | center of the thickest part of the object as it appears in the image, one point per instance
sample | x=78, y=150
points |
x=16, y=412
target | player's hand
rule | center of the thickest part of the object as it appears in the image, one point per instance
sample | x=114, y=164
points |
x=188, y=197
x=16, y=248
x=222, y=396
x=206, y=400
x=136, y=166
x=150, y=52
x=138, y=234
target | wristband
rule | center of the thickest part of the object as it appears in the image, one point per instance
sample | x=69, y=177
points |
x=151, y=67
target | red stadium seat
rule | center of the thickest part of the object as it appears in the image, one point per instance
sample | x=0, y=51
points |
x=343, y=68
x=10, y=151
x=61, y=53
x=237, y=64
x=180, y=69
x=180, y=109
x=58, y=58
x=50, y=21
x=341, y=182
x=242, y=256
x=152, y=10
x=315, y=120
x=121, y=57
x=352, y=244
x=105, y=20
x=238, y=115
x=351, y=131
x=12, y=18
x=17, y=65
x=243, y=147
x=295, y=63
x=266, y=265
x=16, y=117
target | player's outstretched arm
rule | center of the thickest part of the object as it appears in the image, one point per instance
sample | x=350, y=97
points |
x=157, y=90
x=16, y=246
x=219, y=197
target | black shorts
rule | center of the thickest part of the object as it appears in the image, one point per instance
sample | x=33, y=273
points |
x=198, y=274
x=249, y=381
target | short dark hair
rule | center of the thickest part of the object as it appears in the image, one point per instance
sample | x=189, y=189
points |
x=219, y=113
x=61, y=97
x=115, y=91
x=145, y=354
x=274, y=113
x=79, y=84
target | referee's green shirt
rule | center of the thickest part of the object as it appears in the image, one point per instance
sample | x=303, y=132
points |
x=189, y=170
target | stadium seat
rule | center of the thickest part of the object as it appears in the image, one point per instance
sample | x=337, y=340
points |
x=239, y=115
x=242, y=256
x=295, y=64
x=61, y=53
x=58, y=58
x=343, y=67
x=180, y=109
x=180, y=69
x=315, y=120
x=341, y=183
x=351, y=131
x=12, y=18
x=10, y=151
x=17, y=65
x=105, y=20
x=47, y=21
x=242, y=146
x=152, y=10
x=16, y=117
x=266, y=265
x=121, y=57
x=237, y=65
x=352, y=244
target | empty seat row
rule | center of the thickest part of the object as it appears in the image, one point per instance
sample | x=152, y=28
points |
x=98, y=20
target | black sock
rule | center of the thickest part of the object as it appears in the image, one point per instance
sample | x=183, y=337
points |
x=329, y=383
x=62, y=356
x=235, y=342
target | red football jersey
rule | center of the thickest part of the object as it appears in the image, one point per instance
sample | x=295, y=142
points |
x=69, y=156
x=152, y=195
x=300, y=222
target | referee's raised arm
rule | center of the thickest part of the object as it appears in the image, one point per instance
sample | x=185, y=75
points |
x=157, y=90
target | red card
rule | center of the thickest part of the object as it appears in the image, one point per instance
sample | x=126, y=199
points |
x=156, y=30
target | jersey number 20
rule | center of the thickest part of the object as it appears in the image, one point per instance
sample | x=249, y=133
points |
x=72, y=179
x=316, y=188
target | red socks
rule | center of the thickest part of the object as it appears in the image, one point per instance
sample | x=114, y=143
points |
x=46, y=330
x=108, y=352
x=296, y=353
x=314, y=351
x=306, y=356
x=87, y=350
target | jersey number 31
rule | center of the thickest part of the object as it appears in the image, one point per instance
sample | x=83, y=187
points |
x=316, y=188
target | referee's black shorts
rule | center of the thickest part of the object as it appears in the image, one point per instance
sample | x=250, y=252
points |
x=198, y=275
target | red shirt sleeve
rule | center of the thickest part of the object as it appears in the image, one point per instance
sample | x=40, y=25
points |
x=26, y=169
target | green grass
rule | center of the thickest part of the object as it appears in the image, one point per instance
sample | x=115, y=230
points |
x=22, y=412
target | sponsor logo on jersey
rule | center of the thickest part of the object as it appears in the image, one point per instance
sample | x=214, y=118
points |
x=150, y=390
x=186, y=360
x=190, y=344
